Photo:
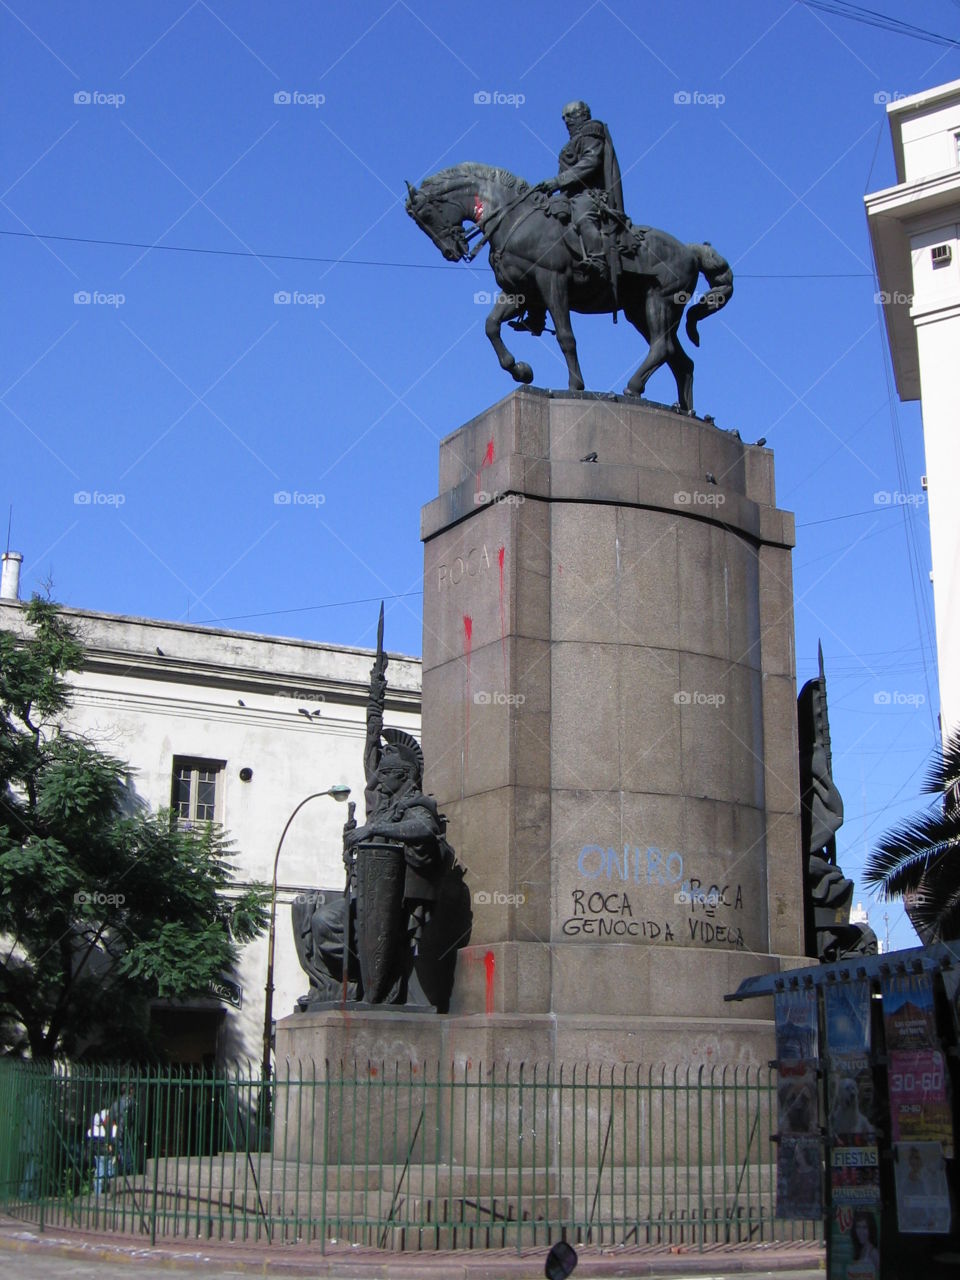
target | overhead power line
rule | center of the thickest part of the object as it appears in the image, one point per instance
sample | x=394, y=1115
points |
x=309, y=608
x=882, y=21
x=371, y=262
x=849, y=515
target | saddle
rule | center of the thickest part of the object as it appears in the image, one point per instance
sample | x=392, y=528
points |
x=620, y=239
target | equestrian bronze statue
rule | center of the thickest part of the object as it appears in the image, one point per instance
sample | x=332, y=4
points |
x=566, y=245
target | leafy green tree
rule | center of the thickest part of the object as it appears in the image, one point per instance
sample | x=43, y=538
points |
x=104, y=905
x=919, y=860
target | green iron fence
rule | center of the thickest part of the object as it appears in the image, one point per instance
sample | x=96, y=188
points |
x=397, y=1155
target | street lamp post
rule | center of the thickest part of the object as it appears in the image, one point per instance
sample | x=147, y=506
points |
x=338, y=792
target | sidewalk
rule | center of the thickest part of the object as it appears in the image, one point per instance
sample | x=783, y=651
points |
x=26, y=1253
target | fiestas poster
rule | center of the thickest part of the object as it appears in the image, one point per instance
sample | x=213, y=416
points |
x=923, y=1200
x=798, y=1098
x=919, y=1107
x=846, y=1013
x=795, y=1013
x=854, y=1242
x=799, y=1178
x=908, y=1018
x=855, y=1172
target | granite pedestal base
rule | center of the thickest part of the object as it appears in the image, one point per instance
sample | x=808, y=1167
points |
x=383, y=1081
x=609, y=708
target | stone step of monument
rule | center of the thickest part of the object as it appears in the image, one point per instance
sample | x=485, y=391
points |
x=235, y=1173
x=401, y=1218
x=217, y=1198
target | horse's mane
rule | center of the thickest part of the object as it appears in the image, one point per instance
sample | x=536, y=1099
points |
x=471, y=170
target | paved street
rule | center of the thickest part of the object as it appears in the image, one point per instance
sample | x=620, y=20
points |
x=44, y=1265
x=28, y=1255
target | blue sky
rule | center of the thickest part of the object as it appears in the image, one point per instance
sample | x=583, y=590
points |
x=196, y=398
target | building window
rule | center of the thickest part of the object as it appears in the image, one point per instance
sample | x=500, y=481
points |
x=197, y=789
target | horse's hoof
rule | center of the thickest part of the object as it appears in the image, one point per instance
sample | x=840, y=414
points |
x=575, y=384
x=522, y=372
x=632, y=395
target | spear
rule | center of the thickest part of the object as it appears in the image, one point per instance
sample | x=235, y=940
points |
x=380, y=661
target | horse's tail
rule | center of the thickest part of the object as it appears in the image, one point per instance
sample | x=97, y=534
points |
x=719, y=278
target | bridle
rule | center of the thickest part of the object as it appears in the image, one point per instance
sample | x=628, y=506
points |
x=485, y=232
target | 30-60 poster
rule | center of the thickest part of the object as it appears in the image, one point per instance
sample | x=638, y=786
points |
x=919, y=1107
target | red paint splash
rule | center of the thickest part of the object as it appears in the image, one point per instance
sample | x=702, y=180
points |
x=477, y=208
x=501, y=552
x=467, y=646
x=487, y=460
x=490, y=965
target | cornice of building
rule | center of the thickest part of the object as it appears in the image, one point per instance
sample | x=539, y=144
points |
x=190, y=654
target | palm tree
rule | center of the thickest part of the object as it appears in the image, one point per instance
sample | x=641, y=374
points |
x=919, y=860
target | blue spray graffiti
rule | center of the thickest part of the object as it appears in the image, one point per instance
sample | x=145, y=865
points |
x=642, y=866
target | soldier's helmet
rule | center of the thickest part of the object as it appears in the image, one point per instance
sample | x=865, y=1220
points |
x=408, y=748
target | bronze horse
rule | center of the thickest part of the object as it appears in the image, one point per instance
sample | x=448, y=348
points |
x=536, y=262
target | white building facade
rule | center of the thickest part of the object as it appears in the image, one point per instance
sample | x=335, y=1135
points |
x=915, y=231
x=238, y=728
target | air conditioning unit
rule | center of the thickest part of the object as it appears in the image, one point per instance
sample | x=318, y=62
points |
x=940, y=254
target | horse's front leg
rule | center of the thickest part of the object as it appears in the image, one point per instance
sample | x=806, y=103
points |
x=504, y=308
x=558, y=304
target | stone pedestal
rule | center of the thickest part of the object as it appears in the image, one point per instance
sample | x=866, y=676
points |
x=473, y=1091
x=609, y=718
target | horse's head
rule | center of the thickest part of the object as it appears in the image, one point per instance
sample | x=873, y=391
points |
x=441, y=218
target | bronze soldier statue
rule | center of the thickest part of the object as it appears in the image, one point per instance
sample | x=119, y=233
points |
x=399, y=862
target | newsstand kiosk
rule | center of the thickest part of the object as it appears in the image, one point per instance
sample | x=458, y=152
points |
x=868, y=1078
